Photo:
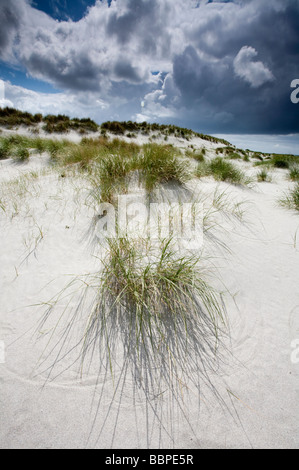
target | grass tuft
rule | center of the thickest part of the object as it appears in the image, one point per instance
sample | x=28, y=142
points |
x=294, y=173
x=149, y=290
x=291, y=199
x=21, y=154
x=160, y=164
x=199, y=156
x=110, y=177
x=263, y=176
x=222, y=170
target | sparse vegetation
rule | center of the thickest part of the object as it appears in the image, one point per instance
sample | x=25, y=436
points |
x=14, y=193
x=110, y=177
x=160, y=164
x=155, y=164
x=4, y=149
x=225, y=171
x=154, y=293
x=279, y=161
x=294, y=173
x=165, y=130
x=263, y=176
x=234, y=156
x=222, y=170
x=21, y=154
x=10, y=117
x=203, y=169
x=291, y=199
x=197, y=155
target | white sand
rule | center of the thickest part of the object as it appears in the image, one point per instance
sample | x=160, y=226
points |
x=248, y=398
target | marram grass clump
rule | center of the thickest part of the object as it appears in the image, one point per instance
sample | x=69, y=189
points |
x=263, y=176
x=222, y=170
x=294, y=173
x=291, y=199
x=154, y=294
x=160, y=164
x=110, y=177
x=154, y=164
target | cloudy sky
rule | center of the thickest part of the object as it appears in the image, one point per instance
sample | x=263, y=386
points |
x=220, y=67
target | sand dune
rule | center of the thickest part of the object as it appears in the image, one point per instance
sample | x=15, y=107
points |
x=245, y=396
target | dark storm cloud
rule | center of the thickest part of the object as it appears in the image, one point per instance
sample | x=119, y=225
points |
x=79, y=73
x=225, y=66
x=10, y=21
x=124, y=26
x=143, y=21
x=108, y=45
x=244, y=69
x=125, y=71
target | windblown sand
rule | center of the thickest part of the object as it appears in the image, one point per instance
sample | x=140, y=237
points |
x=246, y=397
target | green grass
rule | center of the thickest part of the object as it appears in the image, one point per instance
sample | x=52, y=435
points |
x=160, y=164
x=145, y=128
x=10, y=117
x=110, y=177
x=203, y=169
x=228, y=149
x=234, y=156
x=222, y=170
x=15, y=146
x=57, y=149
x=4, y=149
x=294, y=173
x=263, y=176
x=18, y=146
x=291, y=199
x=279, y=161
x=152, y=294
x=199, y=156
x=21, y=154
x=148, y=307
x=155, y=164
x=110, y=161
x=231, y=152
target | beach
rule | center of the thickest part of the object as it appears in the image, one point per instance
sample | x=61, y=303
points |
x=243, y=396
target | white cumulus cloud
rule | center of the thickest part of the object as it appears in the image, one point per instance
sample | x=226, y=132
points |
x=253, y=72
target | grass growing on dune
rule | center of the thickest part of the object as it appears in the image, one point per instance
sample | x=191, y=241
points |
x=14, y=194
x=294, y=173
x=10, y=117
x=155, y=164
x=284, y=162
x=110, y=177
x=21, y=154
x=196, y=155
x=18, y=146
x=80, y=155
x=4, y=149
x=263, y=176
x=222, y=170
x=91, y=151
x=160, y=164
x=151, y=294
x=291, y=199
x=202, y=169
x=14, y=146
